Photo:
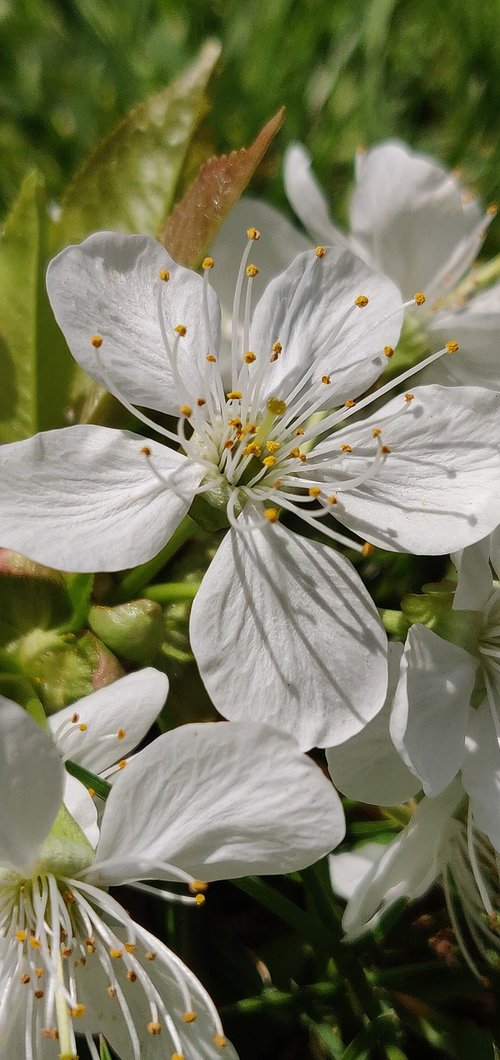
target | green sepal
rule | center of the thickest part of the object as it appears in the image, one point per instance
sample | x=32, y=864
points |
x=66, y=851
x=434, y=608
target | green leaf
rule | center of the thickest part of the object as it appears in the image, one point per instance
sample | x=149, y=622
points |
x=35, y=366
x=129, y=181
x=104, y=1052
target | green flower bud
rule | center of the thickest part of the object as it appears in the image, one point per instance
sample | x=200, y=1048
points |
x=133, y=631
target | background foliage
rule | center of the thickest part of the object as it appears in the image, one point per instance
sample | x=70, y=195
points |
x=349, y=72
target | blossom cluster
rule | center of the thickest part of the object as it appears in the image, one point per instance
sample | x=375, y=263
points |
x=267, y=405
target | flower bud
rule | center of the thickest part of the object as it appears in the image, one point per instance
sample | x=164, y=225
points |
x=133, y=630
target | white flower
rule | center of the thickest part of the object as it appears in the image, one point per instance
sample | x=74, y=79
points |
x=419, y=475
x=446, y=712
x=414, y=221
x=405, y=868
x=199, y=803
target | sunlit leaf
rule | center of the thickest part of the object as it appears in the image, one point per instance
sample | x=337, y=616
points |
x=35, y=365
x=197, y=217
x=129, y=181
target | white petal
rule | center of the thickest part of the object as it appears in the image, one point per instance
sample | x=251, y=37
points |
x=284, y=631
x=367, y=767
x=409, y=215
x=347, y=870
x=437, y=489
x=481, y=772
x=273, y=252
x=475, y=582
x=108, y=286
x=203, y=797
x=310, y=309
x=475, y=326
x=82, y=807
x=85, y=498
x=431, y=707
x=305, y=195
x=116, y=718
x=31, y=786
x=408, y=866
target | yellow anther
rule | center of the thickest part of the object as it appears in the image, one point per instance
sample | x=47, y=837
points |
x=177, y=1056
x=164, y=275
x=278, y=484
x=200, y=899
x=38, y=973
x=150, y=955
x=121, y=734
x=229, y=444
x=146, y=451
x=78, y=1011
x=25, y=979
x=82, y=727
x=186, y=410
x=116, y=953
x=419, y=298
x=249, y=357
x=272, y=446
x=220, y=1041
x=361, y=301
x=96, y=341
x=277, y=348
x=38, y=994
x=314, y=491
x=188, y=1017
x=388, y=351
x=298, y=431
x=492, y=209
x=367, y=549
x=234, y=421
x=325, y=379
x=385, y=449
x=130, y=947
x=153, y=1028
x=66, y=951
x=90, y=945
x=207, y=263
x=320, y=251
x=122, y=763
x=233, y=395
x=75, y=718
x=346, y=448
x=50, y=1032
x=349, y=404
x=131, y=976
x=211, y=358
x=269, y=461
x=21, y=936
x=276, y=406
x=252, y=271
x=271, y=514
x=251, y=449
x=34, y=942
x=253, y=233
x=376, y=432
x=198, y=886
x=332, y=499
x=91, y=792
x=111, y=991
x=200, y=402
x=181, y=329
x=452, y=347
x=409, y=397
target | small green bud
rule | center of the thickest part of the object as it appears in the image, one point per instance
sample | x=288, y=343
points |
x=134, y=630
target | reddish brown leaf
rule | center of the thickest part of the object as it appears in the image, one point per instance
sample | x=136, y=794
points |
x=197, y=217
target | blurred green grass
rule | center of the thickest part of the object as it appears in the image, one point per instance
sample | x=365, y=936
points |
x=349, y=72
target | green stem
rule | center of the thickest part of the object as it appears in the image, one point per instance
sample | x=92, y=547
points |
x=134, y=581
x=272, y=999
x=347, y=964
x=170, y=592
